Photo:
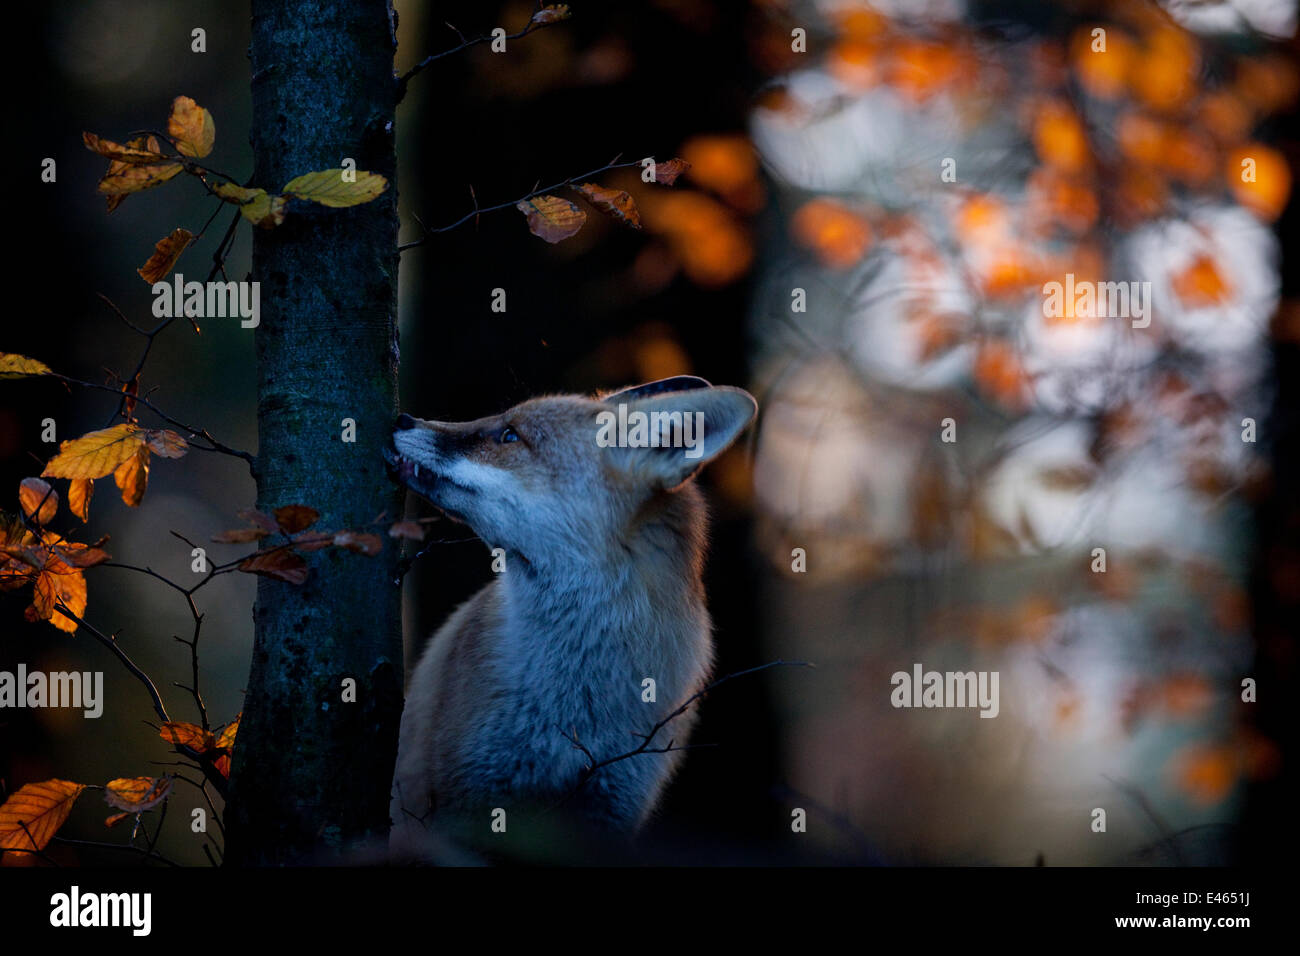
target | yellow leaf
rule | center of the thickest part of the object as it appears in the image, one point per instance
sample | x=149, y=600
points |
x=165, y=443
x=33, y=814
x=38, y=500
x=254, y=204
x=132, y=477
x=137, y=794
x=329, y=188
x=184, y=734
x=612, y=202
x=80, y=491
x=133, y=153
x=227, y=738
x=19, y=366
x=95, y=454
x=165, y=253
x=552, y=218
x=71, y=590
x=191, y=126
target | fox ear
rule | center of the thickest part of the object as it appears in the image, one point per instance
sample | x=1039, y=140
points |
x=678, y=383
x=663, y=439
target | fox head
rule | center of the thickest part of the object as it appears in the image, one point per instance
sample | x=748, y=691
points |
x=561, y=475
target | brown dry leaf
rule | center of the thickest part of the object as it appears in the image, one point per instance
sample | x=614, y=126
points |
x=329, y=188
x=20, y=366
x=115, y=819
x=125, y=177
x=135, y=153
x=185, y=734
x=39, y=501
x=80, y=491
x=34, y=813
x=313, y=541
x=165, y=253
x=43, y=598
x=552, y=13
x=367, y=544
x=137, y=794
x=616, y=203
x=294, y=518
x=165, y=443
x=227, y=738
x=279, y=563
x=411, y=530
x=552, y=218
x=239, y=536
x=76, y=555
x=95, y=454
x=254, y=204
x=191, y=127
x=666, y=173
x=262, y=520
x=132, y=477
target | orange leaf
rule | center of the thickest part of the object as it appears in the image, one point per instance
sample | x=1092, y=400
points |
x=367, y=544
x=279, y=563
x=412, y=530
x=612, y=202
x=552, y=218
x=184, y=734
x=79, y=555
x=71, y=591
x=222, y=764
x=95, y=454
x=666, y=173
x=38, y=500
x=227, y=738
x=138, y=152
x=165, y=443
x=115, y=819
x=132, y=477
x=125, y=177
x=34, y=813
x=137, y=794
x=191, y=127
x=80, y=491
x=294, y=518
x=165, y=253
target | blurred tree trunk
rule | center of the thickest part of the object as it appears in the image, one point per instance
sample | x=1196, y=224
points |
x=311, y=771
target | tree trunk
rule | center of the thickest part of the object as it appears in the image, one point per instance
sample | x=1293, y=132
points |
x=311, y=771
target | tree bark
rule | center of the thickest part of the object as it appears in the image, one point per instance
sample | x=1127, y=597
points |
x=312, y=772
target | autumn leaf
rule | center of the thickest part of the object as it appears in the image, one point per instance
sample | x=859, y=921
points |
x=184, y=734
x=139, y=152
x=71, y=591
x=552, y=218
x=115, y=819
x=191, y=127
x=616, y=203
x=666, y=173
x=254, y=204
x=137, y=794
x=165, y=443
x=165, y=253
x=43, y=598
x=279, y=563
x=263, y=521
x=367, y=544
x=81, y=556
x=294, y=518
x=20, y=366
x=95, y=454
x=239, y=535
x=132, y=477
x=80, y=491
x=552, y=13
x=411, y=530
x=132, y=175
x=33, y=814
x=329, y=188
x=227, y=739
x=313, y=541
x=222, y=765
x=38, y=500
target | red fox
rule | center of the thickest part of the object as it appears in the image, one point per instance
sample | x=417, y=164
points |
x=595, y=630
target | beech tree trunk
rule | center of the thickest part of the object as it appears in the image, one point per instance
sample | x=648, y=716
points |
x=311, y=771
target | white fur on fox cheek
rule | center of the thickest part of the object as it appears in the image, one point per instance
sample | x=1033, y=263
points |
x=481, y=477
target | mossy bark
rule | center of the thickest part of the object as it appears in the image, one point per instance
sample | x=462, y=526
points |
x=311, y=771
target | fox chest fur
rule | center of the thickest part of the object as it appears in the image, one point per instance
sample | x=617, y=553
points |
x=596, y=630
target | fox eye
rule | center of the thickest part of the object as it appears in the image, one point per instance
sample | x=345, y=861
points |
x=508, y=434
